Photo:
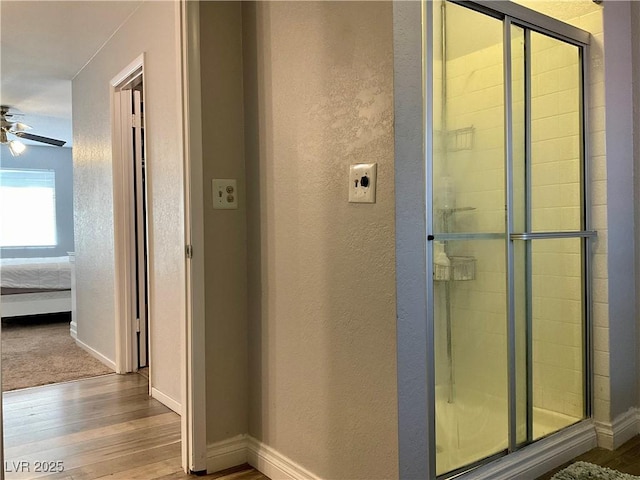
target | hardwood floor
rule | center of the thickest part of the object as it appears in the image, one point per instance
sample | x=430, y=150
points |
x=102, y=427
x=108, y=427
x=625, y=459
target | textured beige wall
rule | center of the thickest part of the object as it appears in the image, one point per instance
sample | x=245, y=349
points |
x=150, y=30
x=319, y=96
x=225, y=230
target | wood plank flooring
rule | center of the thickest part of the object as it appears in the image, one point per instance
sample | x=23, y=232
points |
x=625, y=459
x=108, y=427
x=102, y=427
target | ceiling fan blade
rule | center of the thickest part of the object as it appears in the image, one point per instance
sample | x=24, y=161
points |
x=38, y=138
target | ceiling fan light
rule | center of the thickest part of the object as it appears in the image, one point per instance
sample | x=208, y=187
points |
x=20, y=127
x=16, y=147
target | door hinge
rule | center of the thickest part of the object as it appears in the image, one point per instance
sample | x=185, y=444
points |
x=137, y=325
x=136, y=120
x=189, y=251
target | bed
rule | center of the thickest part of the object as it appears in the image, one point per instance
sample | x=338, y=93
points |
x=34, y=286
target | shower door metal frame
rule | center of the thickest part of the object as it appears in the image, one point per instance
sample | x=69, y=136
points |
x=529, y=20
x=581, y=41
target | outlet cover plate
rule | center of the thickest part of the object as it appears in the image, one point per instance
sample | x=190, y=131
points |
x=362, y=182
x=225, y=193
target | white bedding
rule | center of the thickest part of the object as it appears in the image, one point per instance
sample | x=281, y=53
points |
x=46, y=273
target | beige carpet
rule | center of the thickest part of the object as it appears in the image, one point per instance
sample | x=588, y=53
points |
x=589, y=471
x=39, y=350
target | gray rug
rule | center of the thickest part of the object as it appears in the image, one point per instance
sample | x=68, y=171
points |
x=588, y=471
x=39, y=350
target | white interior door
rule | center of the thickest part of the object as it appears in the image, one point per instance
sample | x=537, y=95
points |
x=131, y=108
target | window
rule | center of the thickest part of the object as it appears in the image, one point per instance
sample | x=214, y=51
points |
x=27, y=208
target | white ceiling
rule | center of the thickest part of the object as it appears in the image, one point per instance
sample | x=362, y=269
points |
x=43, y=45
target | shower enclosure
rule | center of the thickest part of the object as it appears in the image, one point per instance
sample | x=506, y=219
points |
x=510, y=232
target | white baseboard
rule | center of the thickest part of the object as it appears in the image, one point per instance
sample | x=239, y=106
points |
x=227, y=453
x=73, y=330
x=275, y=465
x=624, y=427
x=97, y=355
x=526, y=464
x=246, y=449
x=540, y=457
x=166, y=400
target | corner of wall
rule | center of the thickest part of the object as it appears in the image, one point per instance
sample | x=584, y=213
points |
x=623, y=428
x=246, y=449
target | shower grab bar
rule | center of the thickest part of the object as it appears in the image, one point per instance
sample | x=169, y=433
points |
x=512, y=236
x=466, y=236
x=543, y=235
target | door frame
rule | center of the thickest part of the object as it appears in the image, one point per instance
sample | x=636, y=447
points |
x=193, y=382
x=194, y=409
x=122, y=217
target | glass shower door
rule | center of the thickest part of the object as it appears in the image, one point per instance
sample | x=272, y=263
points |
x=469, y=249
x=510, y=283
x=549, y=234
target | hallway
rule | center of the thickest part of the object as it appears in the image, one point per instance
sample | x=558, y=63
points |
x=93, y=428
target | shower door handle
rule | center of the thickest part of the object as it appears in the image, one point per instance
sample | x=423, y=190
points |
x=551, y=235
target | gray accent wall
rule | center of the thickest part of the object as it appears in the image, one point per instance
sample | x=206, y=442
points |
x=49, y=158
x=415, y=338
x=623, y=343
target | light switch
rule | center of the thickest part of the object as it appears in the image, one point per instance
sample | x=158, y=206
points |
x=362, y=183
x=225, y=193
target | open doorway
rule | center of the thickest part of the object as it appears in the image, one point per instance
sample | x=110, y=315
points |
x=37, y=248
x=130, y=144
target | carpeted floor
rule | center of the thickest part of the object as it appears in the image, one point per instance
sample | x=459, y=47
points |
x=39, y=350
x=588, y=471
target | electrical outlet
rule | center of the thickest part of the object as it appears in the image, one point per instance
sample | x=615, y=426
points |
x=225, y=193
x=362, y=183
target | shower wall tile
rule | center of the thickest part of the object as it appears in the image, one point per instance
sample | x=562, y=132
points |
x=600, y=290
x=601, y=339
x=601, y=316
x=596, y=74
x=601, y=364
x=599, y=266
x=601, y=387
x=600, y=244
x=598, y=168
x=575, y=404
x=591, y=22
x=601, y=409
x=599, y=192
x=547, y=105
x=599, y=217
x=596, y=118
x=597, y=143
x=596, y=97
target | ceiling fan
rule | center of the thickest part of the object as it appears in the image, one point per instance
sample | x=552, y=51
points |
x=9, y=127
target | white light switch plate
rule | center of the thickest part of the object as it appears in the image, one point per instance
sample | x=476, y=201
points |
x=362, y=183
x=225, y=193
